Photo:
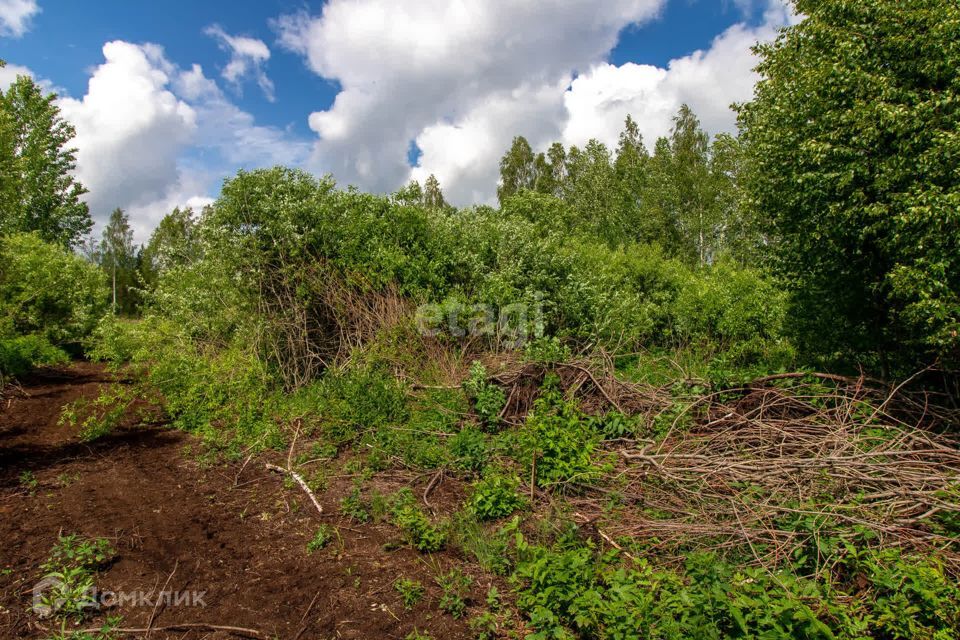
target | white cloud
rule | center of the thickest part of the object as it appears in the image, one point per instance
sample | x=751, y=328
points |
x=130, y=128
x=16, y=16
x=420, y=69
x=10, y=72
x=461, y=79
x=152, y=136
x=247, y=57
x=709, y=81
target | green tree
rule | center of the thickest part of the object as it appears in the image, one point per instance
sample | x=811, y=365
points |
x=517, y=170
x=39, y=192
x=118, y=258
x=591, y=191
x=432, y=194
x=173, y=243
x=631, y=167
x=854, y=154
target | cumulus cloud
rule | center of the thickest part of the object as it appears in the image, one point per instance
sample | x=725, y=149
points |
x=10, y=72
x=461, y=79
x=411, y=70
x=709, y=81
x=152, y=136
x=130, y=128
x=16, y=16
x=247, y=58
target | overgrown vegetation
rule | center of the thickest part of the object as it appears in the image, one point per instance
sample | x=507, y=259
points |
x=625, y=356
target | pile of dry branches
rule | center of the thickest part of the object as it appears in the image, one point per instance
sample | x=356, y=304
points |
x=772, y=467
x=591, y=382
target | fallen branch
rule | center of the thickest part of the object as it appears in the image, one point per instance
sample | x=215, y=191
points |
x=303, y=484
x=190, y=626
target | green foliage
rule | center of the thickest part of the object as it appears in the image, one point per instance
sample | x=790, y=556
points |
x=99, y=417
x=29, y=480
x=118, y=259
x=69, y=570
x=454, y=587
x=354, y=507
x=574, y=591
x=558, y=441
x=488, y=398
x=417, y=635
x=495, y=496
x=469, y=449
x=19, y=354
x=489, y=547
x=852, y=151
x=320, y=539
x=411, y=591
x=48, y=291
x=38, y=192
x=416, y=527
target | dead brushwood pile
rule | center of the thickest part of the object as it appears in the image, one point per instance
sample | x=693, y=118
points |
x=770, y=468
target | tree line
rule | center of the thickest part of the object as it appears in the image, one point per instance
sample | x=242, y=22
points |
x=842, y=186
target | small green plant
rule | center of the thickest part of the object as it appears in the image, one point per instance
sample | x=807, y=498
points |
x=69, y=576
x=29, y=480
x=417, y=529
x=469, y=449
x=417, y=635
x=354, y=507
x=495, y=496
x=546, y=350
x=411, y=591
x=454, y=586
x=557, y=441
x=320, y=539
x=488, y=399
x=76, y=551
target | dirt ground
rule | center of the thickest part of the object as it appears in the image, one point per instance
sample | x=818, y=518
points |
x=232, y=534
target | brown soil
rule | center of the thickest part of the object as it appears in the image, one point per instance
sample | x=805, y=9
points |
x=229, y=530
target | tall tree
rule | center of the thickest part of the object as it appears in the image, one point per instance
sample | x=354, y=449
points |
x=517, y=170
x=172, y=243
x=552, y=171
x=854, y=154
x=39, y=192
x=118, y=258
x=631, y=167
x=432, y=194
x=690, y=147
x=591, y=190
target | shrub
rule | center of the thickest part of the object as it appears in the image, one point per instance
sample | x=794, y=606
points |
x=558, y=440
x=411, y=591
x=488, y=399
x=495, y=496
x=48, y=291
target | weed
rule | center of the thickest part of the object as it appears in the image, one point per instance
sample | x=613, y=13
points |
x=488, y=399
x=69, y=572
x=495, y=496
x=29, y=480
x=417, y=635
x=411, y=591
x=454, y=586
x=320, y=539
x=354, y=507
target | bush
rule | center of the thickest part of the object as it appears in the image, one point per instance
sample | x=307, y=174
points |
x=557, y=440
x=495, y=496
x=47, y=291
x=19, y=354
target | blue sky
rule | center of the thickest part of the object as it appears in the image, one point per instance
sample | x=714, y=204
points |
x=352, y=88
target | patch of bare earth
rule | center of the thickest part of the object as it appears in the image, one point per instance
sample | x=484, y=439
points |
x=231, y=534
